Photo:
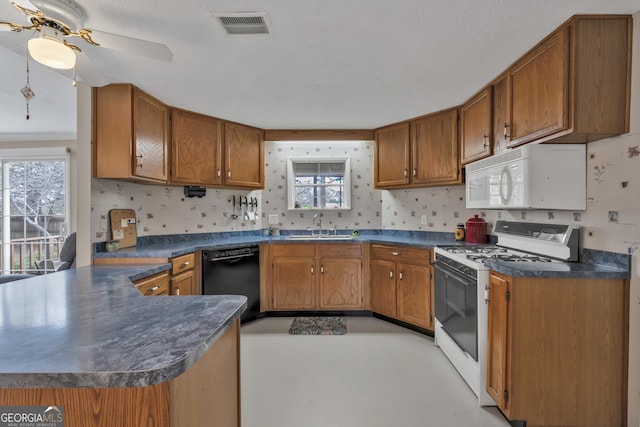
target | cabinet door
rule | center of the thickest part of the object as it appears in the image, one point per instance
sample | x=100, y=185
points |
x=340, y=285
x=150, y=137
x=414, y=295
x=183, y=283
x=383, y=287
x=501, y=114
x=112, y=131
x=477, y=138
x=196, y=149
x=540, y=91
x=435, y=148
x=293, y=283
x=497, y=340
x=391, y=160
x=244, y=155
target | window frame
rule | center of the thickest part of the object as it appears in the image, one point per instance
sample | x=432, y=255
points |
x=291, y=179
x=31, y=154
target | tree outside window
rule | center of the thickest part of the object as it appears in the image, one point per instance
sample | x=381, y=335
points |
x=34, y=213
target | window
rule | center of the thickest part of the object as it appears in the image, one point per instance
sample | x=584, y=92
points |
x=319, y=183
x=34, y=208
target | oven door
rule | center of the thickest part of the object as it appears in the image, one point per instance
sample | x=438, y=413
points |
x=457, y=306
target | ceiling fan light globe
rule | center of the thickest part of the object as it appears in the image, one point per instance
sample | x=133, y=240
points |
x=51, y=52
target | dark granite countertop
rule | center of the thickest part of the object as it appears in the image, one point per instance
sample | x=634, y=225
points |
x=90, y=327
x=557, y=270
x=595, y=264
x=175, y=245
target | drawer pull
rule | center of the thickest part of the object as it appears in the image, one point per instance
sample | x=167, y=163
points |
x=184, y=264
x=400, y=276
x=390, y=274
x=152, y=290
x=177, y=291
x=395, y=253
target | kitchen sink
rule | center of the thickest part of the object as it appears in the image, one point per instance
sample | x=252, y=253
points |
x=319, y=237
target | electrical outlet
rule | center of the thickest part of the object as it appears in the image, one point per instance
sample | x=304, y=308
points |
x=423, y=219
x=273, y=219
x=103, y=226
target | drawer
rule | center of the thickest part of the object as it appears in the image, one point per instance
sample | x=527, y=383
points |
x=155, y=285
x=341, y=250
x=182, y=263
x=294, y=250
x=403, y=254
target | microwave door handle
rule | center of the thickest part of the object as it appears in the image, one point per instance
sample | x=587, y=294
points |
x=506, y=186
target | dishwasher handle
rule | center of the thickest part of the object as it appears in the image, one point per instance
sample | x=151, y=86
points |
x=232, y=258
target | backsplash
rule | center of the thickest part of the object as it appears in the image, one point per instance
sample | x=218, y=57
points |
x=609, y=223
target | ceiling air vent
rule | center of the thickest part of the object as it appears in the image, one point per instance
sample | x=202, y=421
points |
x=243, y=23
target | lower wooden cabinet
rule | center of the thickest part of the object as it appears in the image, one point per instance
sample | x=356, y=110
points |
x=383, y=287
x=557, y=352
x=183, y=277
x=293, y=283
x=401, y=284
x=325, y=276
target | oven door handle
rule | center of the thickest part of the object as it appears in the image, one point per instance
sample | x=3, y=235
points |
x=466, y=281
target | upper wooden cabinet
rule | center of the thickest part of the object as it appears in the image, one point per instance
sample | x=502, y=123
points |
x=435, y=154
x=420, y=153
x=244, y=156
x=196, y=149
x=573, y=87
x=500, y=113
x=476, y=141
x=129, y=134
x=130, y=142
x=391, y=167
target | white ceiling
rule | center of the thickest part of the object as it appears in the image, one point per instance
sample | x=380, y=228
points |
x=337, y=64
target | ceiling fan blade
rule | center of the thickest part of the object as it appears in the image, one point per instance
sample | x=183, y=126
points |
x=88, y=72
x=132, y=45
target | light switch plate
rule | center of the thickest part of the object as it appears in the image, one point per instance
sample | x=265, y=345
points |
x=273, y=219
x=423, y=219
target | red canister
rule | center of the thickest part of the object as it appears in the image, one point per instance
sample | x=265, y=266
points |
x=476, y=230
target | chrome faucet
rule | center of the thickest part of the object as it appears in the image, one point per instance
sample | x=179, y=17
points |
x=317, y=220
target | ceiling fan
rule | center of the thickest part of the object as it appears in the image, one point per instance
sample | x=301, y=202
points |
x=57, y=21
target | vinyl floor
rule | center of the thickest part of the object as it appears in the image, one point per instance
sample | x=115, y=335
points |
x=377, y=375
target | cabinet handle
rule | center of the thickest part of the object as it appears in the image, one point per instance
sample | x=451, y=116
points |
x=311, y=270
x=219, y=173
x=406, y=173
x=139, y=161
x=395, y=253
x=390, y=274
x=485, y=140
x=322, y=269
x=415, y=172
x=177, y=291
x=229, y=173
x=152, y=290
x=184, y=264
x=400, y=276
x=506, y=131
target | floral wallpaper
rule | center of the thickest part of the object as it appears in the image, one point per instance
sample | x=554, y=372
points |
x=165, y=210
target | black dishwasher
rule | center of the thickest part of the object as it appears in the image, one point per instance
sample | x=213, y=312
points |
x=234, y=272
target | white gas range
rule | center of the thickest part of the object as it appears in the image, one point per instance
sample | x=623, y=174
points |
x=462, y=283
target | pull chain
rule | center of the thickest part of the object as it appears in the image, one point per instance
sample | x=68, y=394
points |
x=26, y=91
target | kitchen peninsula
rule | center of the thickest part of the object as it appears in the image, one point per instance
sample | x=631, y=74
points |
x=88, y=341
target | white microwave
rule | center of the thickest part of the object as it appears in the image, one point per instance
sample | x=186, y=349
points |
x=533, y=176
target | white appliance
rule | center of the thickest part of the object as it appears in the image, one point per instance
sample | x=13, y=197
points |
x=462, y=284
x=533, y=176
